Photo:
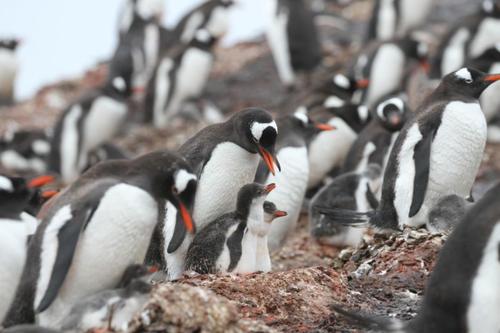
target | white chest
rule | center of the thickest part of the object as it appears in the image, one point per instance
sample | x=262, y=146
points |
x=248, y=260
x=8, y=70
x=193, y=72
x=386, y=26
x=413, y=13
x=69, y=144
x=328, y=150
x=162, y=90
x=487, y=36
x=454, y=54
x=490, y=103
x=386, y=74
x=229, y=168
x=482, y=314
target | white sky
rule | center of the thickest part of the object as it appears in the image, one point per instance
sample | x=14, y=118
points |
x=62, y=38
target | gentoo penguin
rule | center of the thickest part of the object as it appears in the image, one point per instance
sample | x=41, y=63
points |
x=8, y=70
x=111, y=309
x=211, y=15
x=86, y=124
x=386, y=65
x=437, y=153
x=395, y=18
x=375, y=141
x=231, y=242
x=328, y=150
x=25, y=151
x=468, y=39
x=95, y=229
x=351, y=191
x=489, y=62
x=292, y=37
x=296, y=130
x=462, y=293
x=181, y=74
x=15, y=228
x=225, y=157
x=340, y=86
x=145, y=9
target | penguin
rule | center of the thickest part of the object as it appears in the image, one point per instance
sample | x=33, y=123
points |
x=395, y=18
x=112, y=309
x=16, y=226
x=337, y=86
x=296, y=130
x=263, y=258
x=8, y=70
x=25, y=151
x=293, y=38
x=145, y=9
x=225, y=157
x=437, y=153
x=350, y=191
x=211, y=15
x=467, y=39
x=489, y=62
x=386, y=65
x=234, y=241
x=467, y=302
x=328, y=150
x=375, y=141
x=105, y=152
x=181, y=74
x=95, y=229
x=86, y=124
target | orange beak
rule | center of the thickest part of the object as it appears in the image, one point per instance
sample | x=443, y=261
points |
x=153, y=269
x=280, y=213
x=49, y=194
x=426, y=66
x=268, y=159
x=270, y=187
x=325, y=127
x=186, y=218
x=363, y=84
x=492, y=78
x=41, y=181
x=138, y=90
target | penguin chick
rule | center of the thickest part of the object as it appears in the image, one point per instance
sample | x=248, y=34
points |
x=230, y=243
x=263, y=261
x=350, y=191
x=447, y=213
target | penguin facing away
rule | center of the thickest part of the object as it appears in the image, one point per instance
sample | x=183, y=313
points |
x=8, y=70
x=109, y=213
x=350, y=191
x=375, y=141
x=25, y=151
x=448, y=129
x=231, y=242
x=469, y=301
x=86, y=124
x=181, y=74
x=225, y=157
x=296, y=130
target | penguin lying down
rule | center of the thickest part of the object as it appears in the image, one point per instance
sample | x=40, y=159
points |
x=463, y=292
x=236, y=242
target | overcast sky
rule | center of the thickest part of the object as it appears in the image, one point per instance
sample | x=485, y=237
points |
x=62, y=38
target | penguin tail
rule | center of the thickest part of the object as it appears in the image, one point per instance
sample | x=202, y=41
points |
x=370, y=323
x=346, y=217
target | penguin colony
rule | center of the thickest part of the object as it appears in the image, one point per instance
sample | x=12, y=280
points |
x=355, y=154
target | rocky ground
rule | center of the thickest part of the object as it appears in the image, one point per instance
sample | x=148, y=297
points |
x=385, y=276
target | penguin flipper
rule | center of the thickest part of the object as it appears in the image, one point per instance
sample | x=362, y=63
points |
x=346, y=217
x=421, y=157
x=378, y=324
x=178, y=236
x=68, y=235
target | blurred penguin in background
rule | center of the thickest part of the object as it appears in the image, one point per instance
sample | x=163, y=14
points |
x=395, y=18
x=293, y=38
x=8, y=70
x=24, y=150
x=145, y=9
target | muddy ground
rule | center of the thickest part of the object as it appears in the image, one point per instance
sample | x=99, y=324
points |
x=385, y=276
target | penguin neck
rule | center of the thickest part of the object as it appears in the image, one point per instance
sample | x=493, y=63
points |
x=443, y=93
x=255, y=219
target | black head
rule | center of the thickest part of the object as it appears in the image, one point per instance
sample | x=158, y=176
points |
x=488, y=58
x=120, y=76
x=354, y=115
x=9, y=44
x=257, y=132
x=251, y=194
x=490, y=8
x=343, y=86
x=467, y=82
x=226, y=3
x=417, y=50
x=392, y=113
x=170, y=178
x=203, y=39
x=303, y=124
x=271, y=212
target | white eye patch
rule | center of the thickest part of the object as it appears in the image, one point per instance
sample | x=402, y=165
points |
x=341, y=81
x=464, y=74
x=333, y=102
x=203, y=35
x=182, y=178
x=363, y=112
x=258, y=128
x=40, y=147
x=398, y=102
x=6, y=184
x=488, y=6
x=119, y=83
x=301, y=114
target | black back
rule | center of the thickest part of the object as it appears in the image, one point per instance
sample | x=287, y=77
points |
x=12, y=204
